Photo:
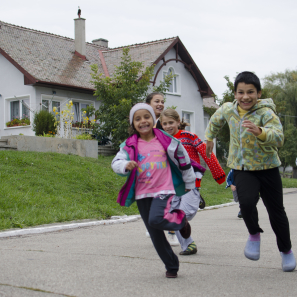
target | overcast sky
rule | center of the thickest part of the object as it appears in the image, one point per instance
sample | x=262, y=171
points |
x=223, y=37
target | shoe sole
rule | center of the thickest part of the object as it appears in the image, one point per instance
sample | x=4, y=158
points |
x=174, y=243
x=253, y=258
x=188, y=253
x=171, y=276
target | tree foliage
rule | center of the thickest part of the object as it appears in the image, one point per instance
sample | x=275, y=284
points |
x=129, y=85
x=223, y=138
x=282, y=87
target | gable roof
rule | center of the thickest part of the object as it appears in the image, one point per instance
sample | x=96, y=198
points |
x=47, y=59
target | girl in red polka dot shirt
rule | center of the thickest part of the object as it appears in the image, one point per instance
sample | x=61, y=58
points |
x=172, y=124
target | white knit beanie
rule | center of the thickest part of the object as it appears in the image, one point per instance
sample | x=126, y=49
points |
x=139, y=106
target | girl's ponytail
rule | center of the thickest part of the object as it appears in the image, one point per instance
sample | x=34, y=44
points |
x=183, y=125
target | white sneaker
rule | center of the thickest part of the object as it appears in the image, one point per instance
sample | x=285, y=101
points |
x=147, y=234
x=172, y=239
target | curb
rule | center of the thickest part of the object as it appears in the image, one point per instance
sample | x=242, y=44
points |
x=113, y=220
x=38, y=230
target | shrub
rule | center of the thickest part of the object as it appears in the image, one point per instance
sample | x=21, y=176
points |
x=44, y=123
x=84, y=136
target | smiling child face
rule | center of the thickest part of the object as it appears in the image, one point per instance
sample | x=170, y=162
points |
x=143, y=122
x=157, y=103
x=246, y=95
x=170, y=125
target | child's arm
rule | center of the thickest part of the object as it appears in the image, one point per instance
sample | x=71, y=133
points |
x=233, y=188
x=230, y=179
x=272, y=127
x=120, y=162
x=215, y=168
x=185, y=167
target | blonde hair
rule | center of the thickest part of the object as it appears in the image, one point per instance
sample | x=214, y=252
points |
x=172, y=113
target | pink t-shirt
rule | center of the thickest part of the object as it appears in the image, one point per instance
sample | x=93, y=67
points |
x=153, y=172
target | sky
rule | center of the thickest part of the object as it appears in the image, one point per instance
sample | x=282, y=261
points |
x=223, y=37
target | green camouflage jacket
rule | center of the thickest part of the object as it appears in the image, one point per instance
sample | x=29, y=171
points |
x=246, y=151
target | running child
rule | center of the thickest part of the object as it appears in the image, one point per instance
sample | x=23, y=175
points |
x=156, y=101
x=255, y=134
x=171, y=123
x=157, y=167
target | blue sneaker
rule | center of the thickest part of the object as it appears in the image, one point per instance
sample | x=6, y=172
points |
x=288, y=262
x=252, y=250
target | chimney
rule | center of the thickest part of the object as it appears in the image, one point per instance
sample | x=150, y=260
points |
x=101, y=41
x=80, y=37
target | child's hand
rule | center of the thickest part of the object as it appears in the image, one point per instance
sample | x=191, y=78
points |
x=209, y=148
x=252, y=128
x=233, y=188
x=131, y=165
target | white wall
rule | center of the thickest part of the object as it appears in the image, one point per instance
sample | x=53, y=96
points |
x=11, y=86
x=188, y=97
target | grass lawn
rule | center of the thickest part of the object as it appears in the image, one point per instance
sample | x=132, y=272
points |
x=42, y=188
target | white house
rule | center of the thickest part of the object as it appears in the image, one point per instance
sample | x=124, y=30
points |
x=43, y=70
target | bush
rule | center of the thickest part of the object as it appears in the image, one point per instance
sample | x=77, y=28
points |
x=44, y=123
x=84, y=136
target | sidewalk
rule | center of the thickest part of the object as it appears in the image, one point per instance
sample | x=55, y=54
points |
x=119, y=260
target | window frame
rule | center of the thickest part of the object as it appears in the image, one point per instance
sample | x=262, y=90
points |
x=192, y=119
x=80, y=102
x=8, y=110
x=177, y=80
x=63, y=100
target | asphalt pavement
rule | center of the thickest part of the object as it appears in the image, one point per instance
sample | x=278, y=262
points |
x=119, y=260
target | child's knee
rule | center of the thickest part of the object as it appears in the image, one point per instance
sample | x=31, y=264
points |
x=247, y=207
x=155, y=221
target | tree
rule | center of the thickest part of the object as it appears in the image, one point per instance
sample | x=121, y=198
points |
x=129, y=85
x=223, y=138
x=283, y=89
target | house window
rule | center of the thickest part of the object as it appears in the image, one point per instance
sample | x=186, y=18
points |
x=56, y=104
x=19, y=109
x=14, y=110
x=174, y=87
x=188, y=117
x=45, y=105
x=78, y=113
x=49, y=105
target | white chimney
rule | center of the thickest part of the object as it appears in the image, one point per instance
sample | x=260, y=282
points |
x=80, y=36
x=101, y=41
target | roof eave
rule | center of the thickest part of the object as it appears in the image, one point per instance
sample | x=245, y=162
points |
x=55, y=85
x=204, y=88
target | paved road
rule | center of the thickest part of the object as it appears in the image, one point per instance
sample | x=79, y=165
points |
x=118, y=260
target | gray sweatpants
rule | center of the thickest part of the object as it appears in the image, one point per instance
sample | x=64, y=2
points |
x=189, y=203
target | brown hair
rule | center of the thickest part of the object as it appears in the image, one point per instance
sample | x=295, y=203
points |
x=151, y=95
x=172, y=113
x=132, y=130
